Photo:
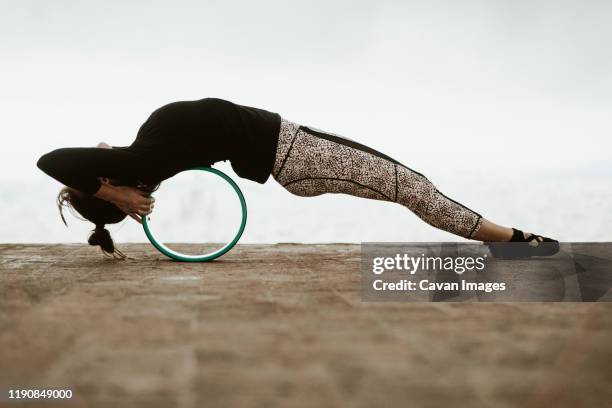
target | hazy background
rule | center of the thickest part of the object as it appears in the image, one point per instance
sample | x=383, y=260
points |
x=504, y=105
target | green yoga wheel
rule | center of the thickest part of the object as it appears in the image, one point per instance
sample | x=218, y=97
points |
x=161, y=247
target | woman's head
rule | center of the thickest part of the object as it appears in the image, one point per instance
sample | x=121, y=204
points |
x=96, y=210
x=100, y=212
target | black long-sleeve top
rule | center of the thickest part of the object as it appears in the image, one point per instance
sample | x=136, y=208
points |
x=176, y=137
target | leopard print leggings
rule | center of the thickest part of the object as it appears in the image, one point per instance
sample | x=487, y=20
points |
x=310, y=162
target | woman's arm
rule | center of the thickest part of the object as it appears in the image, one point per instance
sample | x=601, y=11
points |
x=87, y=170
x=81, y=167
x=130, y=200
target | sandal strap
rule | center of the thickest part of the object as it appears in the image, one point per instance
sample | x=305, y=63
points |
x=517, y=236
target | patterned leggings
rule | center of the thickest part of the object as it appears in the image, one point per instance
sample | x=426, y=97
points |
x=310, y=162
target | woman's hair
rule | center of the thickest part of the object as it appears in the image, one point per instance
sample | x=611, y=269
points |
x=99, y=212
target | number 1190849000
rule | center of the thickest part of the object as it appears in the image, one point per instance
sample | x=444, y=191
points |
x=39, y=394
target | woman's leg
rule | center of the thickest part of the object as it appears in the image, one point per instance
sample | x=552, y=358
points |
x=310, y=162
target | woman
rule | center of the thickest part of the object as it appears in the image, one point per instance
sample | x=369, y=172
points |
x=104, y=184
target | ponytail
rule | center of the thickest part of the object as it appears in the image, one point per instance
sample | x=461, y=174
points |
x=102, y=238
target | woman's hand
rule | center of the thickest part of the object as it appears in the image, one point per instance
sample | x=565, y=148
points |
x=130, y=200
x=104, y=145
x=133, y=202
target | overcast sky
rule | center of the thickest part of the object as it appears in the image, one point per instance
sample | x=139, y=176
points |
x=498, y=86
x=527, y=77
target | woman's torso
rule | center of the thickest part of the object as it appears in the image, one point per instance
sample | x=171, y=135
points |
x=186, y=134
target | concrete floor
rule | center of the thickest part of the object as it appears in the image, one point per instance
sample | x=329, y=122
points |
x=279, y=326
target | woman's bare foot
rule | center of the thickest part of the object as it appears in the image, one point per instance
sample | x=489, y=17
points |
x=524, y=245
x=510, y=243
x=491, y=232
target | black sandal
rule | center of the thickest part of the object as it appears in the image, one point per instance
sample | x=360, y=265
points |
x=521, y=246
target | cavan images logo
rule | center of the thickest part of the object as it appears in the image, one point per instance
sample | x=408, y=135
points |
x=412, y=265
x=468, y=272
